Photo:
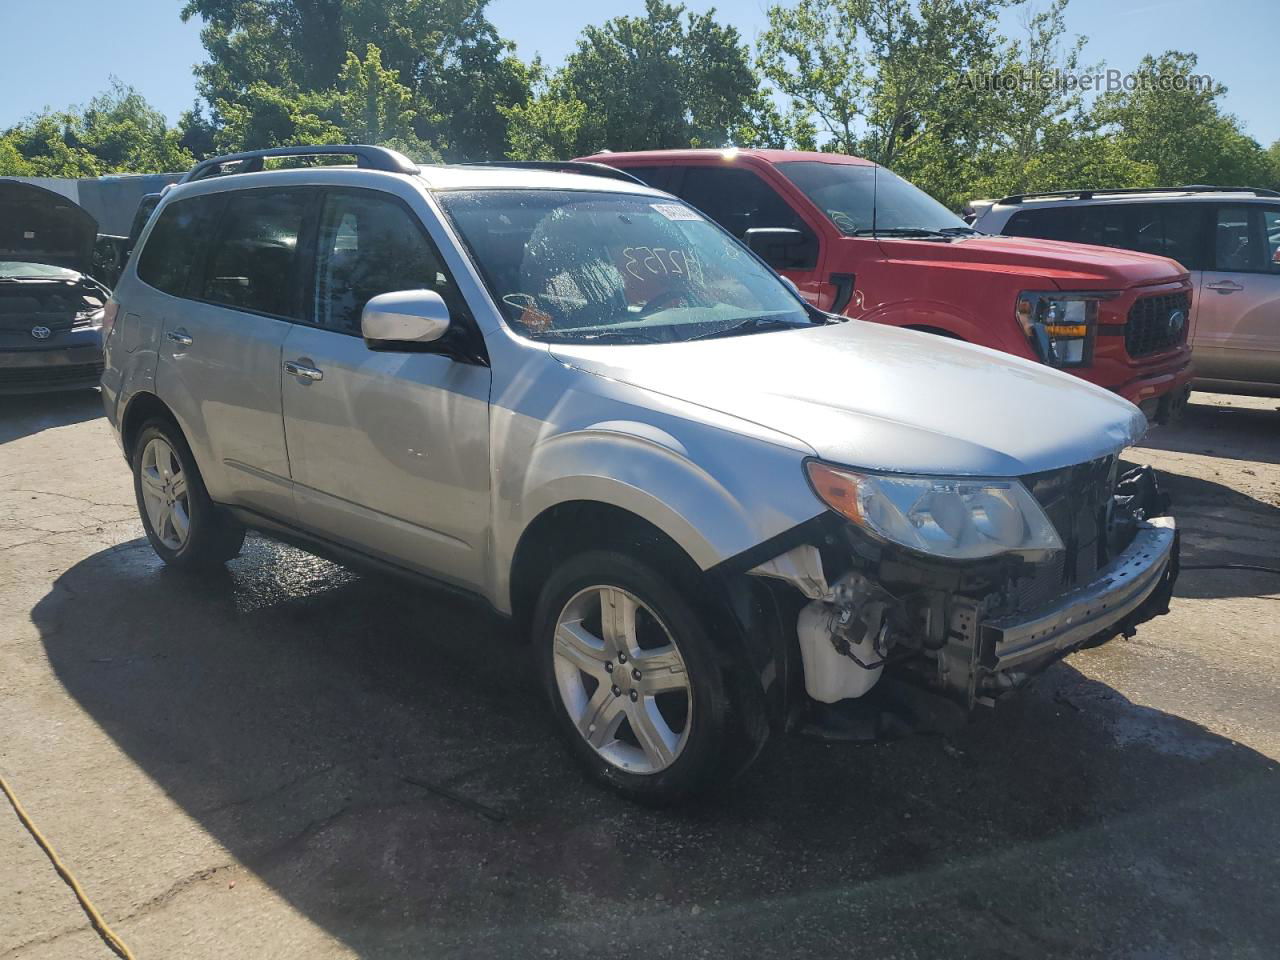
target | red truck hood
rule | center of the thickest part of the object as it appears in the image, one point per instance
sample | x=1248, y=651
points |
x=1067, y=265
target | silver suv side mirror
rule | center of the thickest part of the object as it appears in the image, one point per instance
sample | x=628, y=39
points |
x=404, y=320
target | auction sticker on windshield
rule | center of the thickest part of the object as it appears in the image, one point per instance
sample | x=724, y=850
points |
x=676, y=211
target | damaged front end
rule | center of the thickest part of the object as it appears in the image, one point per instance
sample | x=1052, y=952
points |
x=878, y=616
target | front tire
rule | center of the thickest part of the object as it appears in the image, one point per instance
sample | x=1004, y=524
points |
x=635, y=681
x=186, y=529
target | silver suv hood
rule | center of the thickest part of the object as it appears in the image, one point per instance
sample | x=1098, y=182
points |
x=872, y=396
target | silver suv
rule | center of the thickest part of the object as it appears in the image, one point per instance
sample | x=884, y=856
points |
x=715, y=510
x=1228, y=237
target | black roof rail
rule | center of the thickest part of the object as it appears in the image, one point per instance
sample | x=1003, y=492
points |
x=252, y=161
x=1017, y=198
x=583, y=167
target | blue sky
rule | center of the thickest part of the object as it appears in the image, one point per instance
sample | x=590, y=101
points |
x=59, y=52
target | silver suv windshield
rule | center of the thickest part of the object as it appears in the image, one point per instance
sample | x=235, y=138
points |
x=861, y=200
x=584, y=267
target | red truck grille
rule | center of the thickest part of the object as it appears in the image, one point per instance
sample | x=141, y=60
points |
x=1157, y=323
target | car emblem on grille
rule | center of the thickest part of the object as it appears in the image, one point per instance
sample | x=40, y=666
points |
x=41, y=333
x=1176, y=319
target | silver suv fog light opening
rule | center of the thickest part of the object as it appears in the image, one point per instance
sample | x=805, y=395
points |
x=622, y=679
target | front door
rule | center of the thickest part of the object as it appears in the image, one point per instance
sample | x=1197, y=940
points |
x=1237, y=334
x=389, y=451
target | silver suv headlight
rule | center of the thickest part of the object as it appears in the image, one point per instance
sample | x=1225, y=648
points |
x=958, y=518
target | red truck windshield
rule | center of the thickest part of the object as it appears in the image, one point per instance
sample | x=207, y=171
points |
x=849, y=193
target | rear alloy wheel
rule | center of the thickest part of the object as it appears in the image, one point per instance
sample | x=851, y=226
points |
x=636, y=683
x=164, y=494
x=185, y=527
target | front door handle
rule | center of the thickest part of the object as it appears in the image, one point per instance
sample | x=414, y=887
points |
x=180, y=337
x=1225, y=286
x=299, y=368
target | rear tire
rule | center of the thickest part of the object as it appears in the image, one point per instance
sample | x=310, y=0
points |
x=636, y=683
x=187, y=530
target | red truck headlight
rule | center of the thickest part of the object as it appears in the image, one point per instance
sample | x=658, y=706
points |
x=1060, y=326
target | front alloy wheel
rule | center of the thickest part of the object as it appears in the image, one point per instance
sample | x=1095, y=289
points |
x=642, y=676
x=622, y=680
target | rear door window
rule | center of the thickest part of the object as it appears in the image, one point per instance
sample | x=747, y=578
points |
x=176, y=247
x=369, y=244
x=1271, y=237
x=1184, y=233
x=1104, y=225
x=1173, y=230
x=1238, y=242
x=254, y=261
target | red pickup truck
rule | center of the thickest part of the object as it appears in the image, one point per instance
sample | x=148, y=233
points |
x=857, y=239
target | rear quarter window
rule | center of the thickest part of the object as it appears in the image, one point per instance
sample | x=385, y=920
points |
x=177, y=244
x=1050, y=224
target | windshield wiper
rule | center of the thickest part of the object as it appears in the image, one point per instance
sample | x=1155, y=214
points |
x=750, y=325
x=902, y=232
x=959, y=231
x=578, y=336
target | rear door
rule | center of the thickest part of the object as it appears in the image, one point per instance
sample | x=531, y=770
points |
x=1238, y=334
x=389, y=451
x=219, y=366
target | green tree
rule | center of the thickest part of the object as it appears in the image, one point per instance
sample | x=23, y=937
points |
x=879, y=77
x=12, y=162
x=267, y=116
x=1182, y=135
x=126, y=133
x=668, y=78
x=550, y=125
x=460, y=72
x=115, y=132
x=810, y=53
x=376, y=107
x=1041, y=135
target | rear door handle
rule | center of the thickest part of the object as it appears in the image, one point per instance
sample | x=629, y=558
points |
x=180, y=337
x=1225, y=286
x=299, y=369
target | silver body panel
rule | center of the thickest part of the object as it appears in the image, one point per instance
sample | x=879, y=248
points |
x=441, y=466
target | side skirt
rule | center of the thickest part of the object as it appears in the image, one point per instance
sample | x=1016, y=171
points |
x=353, y=558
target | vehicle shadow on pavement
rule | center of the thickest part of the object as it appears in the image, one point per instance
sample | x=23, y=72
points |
x=1222, y=526
x=380, y=757
x=31, y=413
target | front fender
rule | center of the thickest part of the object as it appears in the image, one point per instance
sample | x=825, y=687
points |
x=995, y=331
x=925, y=313
x=713, y=492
